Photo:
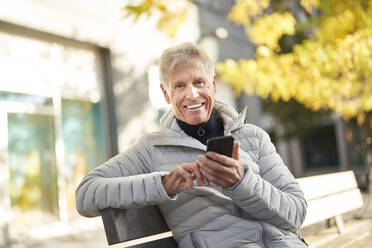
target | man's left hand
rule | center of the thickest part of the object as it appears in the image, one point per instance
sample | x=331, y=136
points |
x=220, y=169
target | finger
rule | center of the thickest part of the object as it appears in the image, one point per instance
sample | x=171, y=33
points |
x=201, y=160
x=171, y=179
x=203, y=178
x=189, y=183
x=198, y=174
x=217, y=167
x=218, y=170
x=221, y=173
x=215, y=179
x=173, y=182
x=194, y=170
x=190, y=171
x=236, y=150
x=183, y=176
x=221, y=159
x=204, y=181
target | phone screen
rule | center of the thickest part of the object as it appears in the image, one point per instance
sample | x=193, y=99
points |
x=221, y=144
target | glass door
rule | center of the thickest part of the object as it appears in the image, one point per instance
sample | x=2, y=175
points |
x=51, y=127
x=48, y=150
x=32, y=168
x=83, y=145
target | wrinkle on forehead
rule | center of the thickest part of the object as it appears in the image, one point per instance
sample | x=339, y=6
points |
x=191, y=69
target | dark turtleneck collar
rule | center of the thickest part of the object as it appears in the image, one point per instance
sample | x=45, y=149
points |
x=212, y=128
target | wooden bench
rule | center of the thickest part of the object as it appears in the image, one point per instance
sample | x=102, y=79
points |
x=328, y=196
x=137, y=228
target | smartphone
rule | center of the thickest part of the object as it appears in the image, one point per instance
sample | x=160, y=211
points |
x=221, y=144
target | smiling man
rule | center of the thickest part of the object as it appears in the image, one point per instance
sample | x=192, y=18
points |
x=190, y=90
x=207, y=199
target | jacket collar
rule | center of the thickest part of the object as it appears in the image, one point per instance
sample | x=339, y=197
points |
x=172, y=135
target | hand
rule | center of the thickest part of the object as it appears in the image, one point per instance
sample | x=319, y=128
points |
x=220, y=169
x=182, y=177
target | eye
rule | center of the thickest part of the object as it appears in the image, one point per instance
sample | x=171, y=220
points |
x=178, y=85
x=199, y=82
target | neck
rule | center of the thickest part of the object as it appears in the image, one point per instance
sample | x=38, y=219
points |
x=203, y=131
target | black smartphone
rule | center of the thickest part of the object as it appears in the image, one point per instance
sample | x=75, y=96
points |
x=221, y=144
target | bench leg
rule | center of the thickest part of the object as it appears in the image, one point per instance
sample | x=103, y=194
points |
x=339, y=223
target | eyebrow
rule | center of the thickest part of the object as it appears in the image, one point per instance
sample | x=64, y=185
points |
x=195, y=80
x=200, y=79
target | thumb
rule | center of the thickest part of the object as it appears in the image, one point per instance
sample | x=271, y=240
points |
x=236, y=150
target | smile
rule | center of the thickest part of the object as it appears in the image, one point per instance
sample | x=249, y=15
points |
x=194, y=106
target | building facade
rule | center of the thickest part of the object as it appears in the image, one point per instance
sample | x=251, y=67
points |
x=74, y=91
x=79, y=83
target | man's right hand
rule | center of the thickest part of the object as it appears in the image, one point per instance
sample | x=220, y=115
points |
x=182, y=177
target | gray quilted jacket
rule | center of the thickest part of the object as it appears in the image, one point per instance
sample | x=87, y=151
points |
x=263, y=210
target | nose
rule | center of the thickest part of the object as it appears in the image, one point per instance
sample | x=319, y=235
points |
x=192, y=92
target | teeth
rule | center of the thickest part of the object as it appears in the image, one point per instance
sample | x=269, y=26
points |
x=193, y=106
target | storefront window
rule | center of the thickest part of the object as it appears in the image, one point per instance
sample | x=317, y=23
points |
x=32, y=166
x=50, y=94
x=83, y=141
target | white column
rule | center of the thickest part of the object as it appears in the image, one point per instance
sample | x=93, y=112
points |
x=5, y=209
x=60, y=159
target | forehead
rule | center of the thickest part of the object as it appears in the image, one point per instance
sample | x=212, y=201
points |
x=188, y=70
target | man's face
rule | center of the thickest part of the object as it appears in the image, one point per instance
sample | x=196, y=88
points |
x=191, y=91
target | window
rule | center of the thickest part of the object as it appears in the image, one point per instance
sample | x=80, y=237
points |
x=320, y=149
x=51, y=100
x=83, y=143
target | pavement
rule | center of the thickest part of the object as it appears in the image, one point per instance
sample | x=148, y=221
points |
x=84, y=232
x=80, y=232
x=357, y=229
x=93, y=239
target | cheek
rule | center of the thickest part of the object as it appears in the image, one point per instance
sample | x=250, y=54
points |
x=208, y=94
x=177, y=100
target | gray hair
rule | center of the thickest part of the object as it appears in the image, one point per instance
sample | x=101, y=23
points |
x=180, y=53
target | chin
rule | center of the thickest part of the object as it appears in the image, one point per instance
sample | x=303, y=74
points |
x=196, y=121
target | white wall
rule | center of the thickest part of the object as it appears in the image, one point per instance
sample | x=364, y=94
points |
x=134, y=47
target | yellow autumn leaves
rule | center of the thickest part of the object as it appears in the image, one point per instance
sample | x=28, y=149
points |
x=331, y=70
x=268, y=29
x=245, y=10
x=171, y=14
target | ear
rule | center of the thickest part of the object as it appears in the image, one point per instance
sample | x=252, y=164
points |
x=165, y=93
x=214, y=83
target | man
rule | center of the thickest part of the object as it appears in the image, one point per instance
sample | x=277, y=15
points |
x=207, y=199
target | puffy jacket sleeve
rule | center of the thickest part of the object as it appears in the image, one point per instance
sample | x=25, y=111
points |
x=124, y=181
x=274, y=195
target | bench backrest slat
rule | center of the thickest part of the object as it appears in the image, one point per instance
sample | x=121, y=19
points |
x=328, y=184
x=330, y=195
x=330, y=206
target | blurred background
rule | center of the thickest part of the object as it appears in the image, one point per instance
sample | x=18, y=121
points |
x=79, y=83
